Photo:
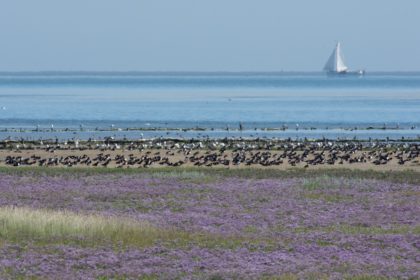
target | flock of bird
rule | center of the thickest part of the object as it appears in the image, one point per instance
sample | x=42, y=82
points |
x=225, y=152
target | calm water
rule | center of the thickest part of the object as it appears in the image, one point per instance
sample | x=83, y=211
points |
x=303, y=105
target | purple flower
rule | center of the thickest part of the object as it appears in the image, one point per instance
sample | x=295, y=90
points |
x=252, y=228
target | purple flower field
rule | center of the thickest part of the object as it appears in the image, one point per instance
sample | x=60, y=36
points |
x=327, y=227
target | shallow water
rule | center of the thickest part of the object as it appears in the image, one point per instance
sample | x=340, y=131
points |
x=34, y=105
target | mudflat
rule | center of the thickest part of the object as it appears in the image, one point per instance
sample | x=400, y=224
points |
x=225, y=153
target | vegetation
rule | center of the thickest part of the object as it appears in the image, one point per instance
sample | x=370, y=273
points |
x=180, y=223
x=47, y=226
x=406, y=176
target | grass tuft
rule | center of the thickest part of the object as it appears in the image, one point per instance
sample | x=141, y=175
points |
x=40, y=226
x=46, y=226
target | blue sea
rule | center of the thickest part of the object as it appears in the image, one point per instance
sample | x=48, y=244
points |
x=135, y=105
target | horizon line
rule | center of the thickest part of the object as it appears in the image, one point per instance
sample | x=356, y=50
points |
x=38, y=72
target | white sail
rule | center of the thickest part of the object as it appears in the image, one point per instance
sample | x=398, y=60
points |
x=335, y=62
x=341, y=66
x=331, y=65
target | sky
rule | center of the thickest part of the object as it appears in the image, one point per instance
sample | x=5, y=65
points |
x=212, y=35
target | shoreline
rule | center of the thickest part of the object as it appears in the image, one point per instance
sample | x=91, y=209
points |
x=356, y=134
x=205, y=128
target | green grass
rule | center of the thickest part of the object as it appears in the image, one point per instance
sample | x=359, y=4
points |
x=42, y=227
x=198, y=173
x=46, y=226
x=354, y=229
x=320, y=183
x=360, y=229
x=333, y=198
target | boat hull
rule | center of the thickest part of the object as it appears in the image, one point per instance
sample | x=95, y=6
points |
x=346, y=73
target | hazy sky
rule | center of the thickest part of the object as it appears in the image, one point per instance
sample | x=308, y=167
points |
x=211, y=35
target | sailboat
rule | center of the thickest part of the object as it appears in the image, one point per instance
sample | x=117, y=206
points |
x=336, y=66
